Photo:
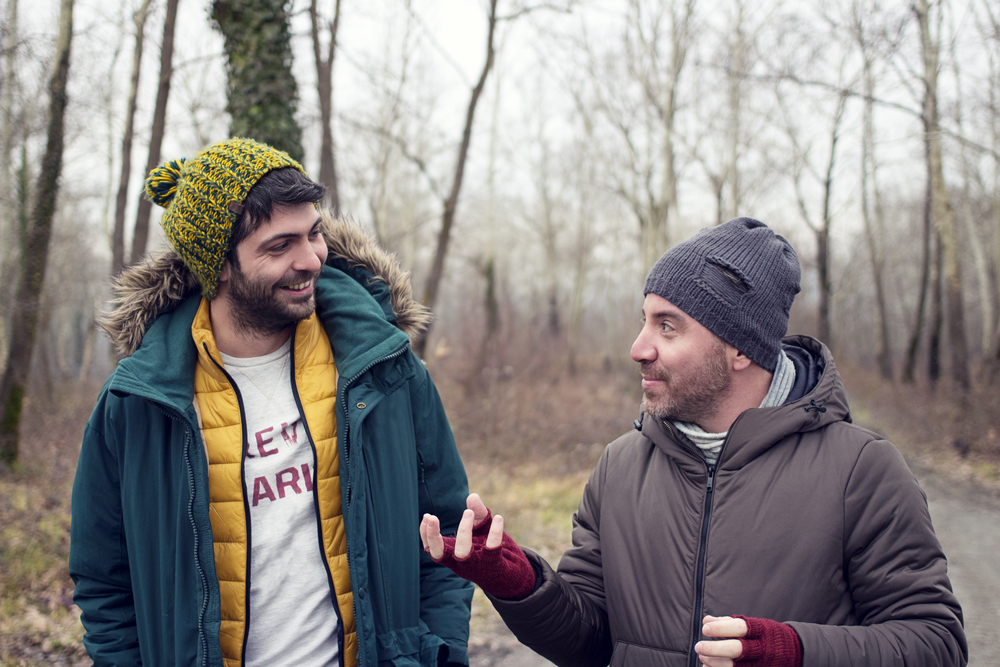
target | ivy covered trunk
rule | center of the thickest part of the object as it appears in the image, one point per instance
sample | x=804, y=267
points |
x=262, y=94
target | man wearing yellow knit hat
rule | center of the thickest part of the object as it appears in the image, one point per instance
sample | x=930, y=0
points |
x=251, y=477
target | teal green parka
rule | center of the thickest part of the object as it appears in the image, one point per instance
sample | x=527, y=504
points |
x=141, y=549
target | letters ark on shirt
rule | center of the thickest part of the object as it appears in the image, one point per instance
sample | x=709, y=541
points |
x=295, y=478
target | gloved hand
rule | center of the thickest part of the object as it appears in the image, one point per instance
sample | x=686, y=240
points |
x=481, y=552
x=749, y=642
x=768, y=643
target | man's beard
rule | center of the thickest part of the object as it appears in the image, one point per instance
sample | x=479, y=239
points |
x=257, y=307
x=693, y=396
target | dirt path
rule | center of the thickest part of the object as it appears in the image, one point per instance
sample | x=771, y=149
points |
x=967, y=522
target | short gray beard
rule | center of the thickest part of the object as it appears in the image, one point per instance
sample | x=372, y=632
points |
x=701, y=395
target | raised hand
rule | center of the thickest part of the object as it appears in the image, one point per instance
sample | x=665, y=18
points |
x=481, y=552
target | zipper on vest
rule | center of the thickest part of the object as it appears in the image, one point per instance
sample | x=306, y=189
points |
x=246, y=506
x=319, y=520
x=699, y=590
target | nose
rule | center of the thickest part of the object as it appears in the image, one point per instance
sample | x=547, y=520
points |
x=642, y=350
x=308, y=259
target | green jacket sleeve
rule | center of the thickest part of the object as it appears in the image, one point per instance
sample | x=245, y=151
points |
x=98, y=560
x=445, y=598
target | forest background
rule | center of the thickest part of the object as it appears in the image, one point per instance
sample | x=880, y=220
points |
x=527, y=162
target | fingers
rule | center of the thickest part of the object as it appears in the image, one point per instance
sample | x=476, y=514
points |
x=463, y=539
x=430, y=535
x=495, y=537
x=719, y=653
x=724, y=626
x=478, y=507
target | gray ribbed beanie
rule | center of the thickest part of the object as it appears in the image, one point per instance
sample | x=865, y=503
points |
x=738, y=280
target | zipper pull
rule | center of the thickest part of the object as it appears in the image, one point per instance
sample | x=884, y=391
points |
x=711, y=478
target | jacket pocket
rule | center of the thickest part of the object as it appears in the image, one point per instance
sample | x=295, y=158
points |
x=637, y=655
x=409, y=647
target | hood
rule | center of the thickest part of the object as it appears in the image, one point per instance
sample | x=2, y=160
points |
x=160, y=282
x=817, y=399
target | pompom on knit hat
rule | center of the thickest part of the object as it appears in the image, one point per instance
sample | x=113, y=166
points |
x=738, y=280
x=204, y=197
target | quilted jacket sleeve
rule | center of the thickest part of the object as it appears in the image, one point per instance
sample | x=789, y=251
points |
x=98, y=561
x=906, y=612
x=565, y=619
x=445, y=598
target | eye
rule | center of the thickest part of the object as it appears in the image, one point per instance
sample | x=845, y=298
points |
x=665, y=327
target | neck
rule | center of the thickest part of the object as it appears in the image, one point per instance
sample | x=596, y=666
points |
x=747, y=390
x=231, y=339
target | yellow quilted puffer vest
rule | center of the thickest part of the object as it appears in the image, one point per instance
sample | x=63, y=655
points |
x=221, y=427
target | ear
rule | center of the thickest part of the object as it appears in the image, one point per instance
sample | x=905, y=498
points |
x=224, y=273
x=740, y=361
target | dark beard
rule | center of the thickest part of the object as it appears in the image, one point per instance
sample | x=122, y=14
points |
x=257, y=309
x=690, y=399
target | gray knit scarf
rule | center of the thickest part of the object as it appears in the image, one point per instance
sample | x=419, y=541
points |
x=710, y=444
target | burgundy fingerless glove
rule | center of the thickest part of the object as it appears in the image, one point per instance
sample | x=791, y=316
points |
x=769, y=644
x=503, y=572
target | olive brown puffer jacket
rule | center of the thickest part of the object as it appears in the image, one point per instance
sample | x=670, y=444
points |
x=808, y=520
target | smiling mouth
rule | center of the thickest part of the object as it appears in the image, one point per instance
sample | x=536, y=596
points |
x=298, y=287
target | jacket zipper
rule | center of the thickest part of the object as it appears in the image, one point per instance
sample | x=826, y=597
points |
x=319, y=521
x=197, y=560
x=194, y=530
x=246, y=506
x=347, y=467
x=699, y=591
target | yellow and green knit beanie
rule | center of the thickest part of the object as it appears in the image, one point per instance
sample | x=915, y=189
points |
x=204, y=196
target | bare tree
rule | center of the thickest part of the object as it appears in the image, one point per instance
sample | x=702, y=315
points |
x=141, y=234
x=451, y=203
x=657, y=39
x=324, y=85
x=872, y=210
x=118, y=234
x=819, y=224
x=26, y=306
x=943, y=212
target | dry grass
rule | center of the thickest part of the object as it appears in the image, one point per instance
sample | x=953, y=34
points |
x=39, y=624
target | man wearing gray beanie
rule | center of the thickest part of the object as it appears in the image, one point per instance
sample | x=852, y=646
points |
x=746, y=520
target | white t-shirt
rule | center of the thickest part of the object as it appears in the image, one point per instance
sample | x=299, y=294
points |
x=292, y=619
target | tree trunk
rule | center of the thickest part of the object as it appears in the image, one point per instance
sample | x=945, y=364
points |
x=823, y=233
x=141, y=234
x=262, y=93
x=944, y=213
x=451, y=203
x=874, y=223
x=909, y=368
x=25, y=317
x=118, y=235
x=324, y=86
x=937, y=316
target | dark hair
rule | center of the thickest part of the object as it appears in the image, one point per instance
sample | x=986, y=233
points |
x=286, y=186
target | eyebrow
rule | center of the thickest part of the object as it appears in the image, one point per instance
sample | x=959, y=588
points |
x=675, y=314
x=278, y=237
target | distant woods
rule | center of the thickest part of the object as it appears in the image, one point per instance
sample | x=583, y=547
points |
x=529, y=161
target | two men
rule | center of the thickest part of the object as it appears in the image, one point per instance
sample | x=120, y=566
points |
x=251, y=479
x=744, y=489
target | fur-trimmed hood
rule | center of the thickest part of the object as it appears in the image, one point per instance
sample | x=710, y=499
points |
x=160, y=281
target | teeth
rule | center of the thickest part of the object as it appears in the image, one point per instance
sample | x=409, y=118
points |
x=299, y=286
